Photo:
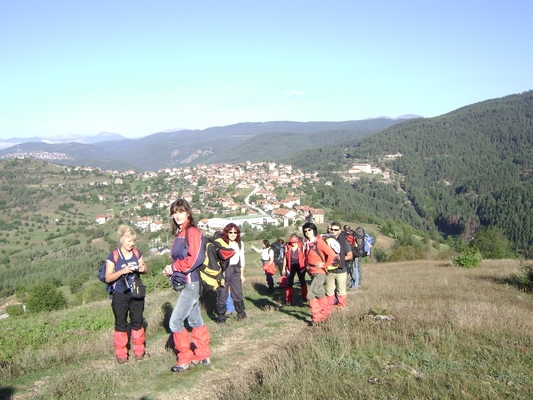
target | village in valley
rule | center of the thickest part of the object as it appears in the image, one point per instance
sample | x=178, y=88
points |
x=206, y=187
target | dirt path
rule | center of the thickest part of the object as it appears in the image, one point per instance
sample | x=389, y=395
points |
x=242, y=350
x=239, y=349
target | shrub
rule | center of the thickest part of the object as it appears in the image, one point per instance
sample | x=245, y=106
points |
x=406, y=253
x=45, y=297
x=524, y=281
x=15, y=311
x=469, y=259
x=379, y=254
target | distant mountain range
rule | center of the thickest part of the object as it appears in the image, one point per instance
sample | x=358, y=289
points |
x=101, y=137
x=252, y=141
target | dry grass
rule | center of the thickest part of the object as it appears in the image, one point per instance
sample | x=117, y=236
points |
x=457, y=333
x=454, y=333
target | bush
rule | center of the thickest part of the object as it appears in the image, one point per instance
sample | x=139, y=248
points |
x=469, y=259
x=524, y=281
x=406, y=253
x=15, y=311
x=379, y=254
x=45, y=297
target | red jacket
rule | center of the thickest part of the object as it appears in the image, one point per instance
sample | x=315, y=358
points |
x=187, y=253
x=301, y=256
x=318, y=251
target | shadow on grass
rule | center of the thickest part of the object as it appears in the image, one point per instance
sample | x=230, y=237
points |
x=6, y=392
x=517, y=282
x=298, y=310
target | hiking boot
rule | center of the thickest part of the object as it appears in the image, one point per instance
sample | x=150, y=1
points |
x=182, y=367
x=122, y=360
x=205, y=362
x=139, y=358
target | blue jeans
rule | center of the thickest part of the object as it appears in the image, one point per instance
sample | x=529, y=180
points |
x=187, y=306
x=354, y=269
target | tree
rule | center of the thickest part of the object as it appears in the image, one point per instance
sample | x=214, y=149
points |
x=491, y=243
x=45, y=297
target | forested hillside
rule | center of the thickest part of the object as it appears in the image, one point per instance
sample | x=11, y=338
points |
x=459, y=171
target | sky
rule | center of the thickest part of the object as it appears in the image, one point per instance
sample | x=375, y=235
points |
x=77, y=67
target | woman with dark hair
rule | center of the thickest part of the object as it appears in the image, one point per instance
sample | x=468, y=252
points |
x=188, y=253
x=318, y=257
x=234, y=274
x=294, y=264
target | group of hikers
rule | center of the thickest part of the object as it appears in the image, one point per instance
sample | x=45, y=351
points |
x=328, y=259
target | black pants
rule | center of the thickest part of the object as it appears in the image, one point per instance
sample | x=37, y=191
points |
x=124, y=305
x=233, y=283
x=295, y=269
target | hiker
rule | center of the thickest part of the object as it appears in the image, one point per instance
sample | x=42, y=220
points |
x=318, y=257
x=234, y=274
x=187, y=254
x=122, y=267
x=336, y=278
x=279, y=254
x=294, y=264
x=267, y=256
x=354, y=265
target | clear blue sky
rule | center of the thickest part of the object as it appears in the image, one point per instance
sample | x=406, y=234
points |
x=139, y=67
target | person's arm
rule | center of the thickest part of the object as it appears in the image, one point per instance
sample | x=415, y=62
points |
x=190, y=261
x=241, y=251
x=348, y=255
x=271, y=255
x=110, y=274
x=143, y=268
x=328, y=253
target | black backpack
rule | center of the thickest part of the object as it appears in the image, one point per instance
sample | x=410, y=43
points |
x=359, y=250
x=277, y=248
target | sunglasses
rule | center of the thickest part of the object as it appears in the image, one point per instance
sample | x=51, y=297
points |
x=308, y=230
x=232, y=232
x=334, y=229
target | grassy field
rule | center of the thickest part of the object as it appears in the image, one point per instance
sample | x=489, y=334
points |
x=414, y=330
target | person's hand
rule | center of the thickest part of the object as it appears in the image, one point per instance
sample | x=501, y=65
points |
x=242, y=279
x=168, y=270
x=142, y=268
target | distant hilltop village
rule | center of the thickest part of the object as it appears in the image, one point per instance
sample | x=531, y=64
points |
x=203, y=183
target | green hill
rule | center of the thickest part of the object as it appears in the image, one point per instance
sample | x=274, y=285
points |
x=459, y=171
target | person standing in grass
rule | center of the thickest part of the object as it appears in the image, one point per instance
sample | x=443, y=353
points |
x=234, y=274
x=123, y=265
x=267, y=255
x=188, y=253
x=336, y=278
x=318, y=257
x=294, y=264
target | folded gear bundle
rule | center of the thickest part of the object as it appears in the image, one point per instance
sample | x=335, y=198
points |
x=217, y=256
